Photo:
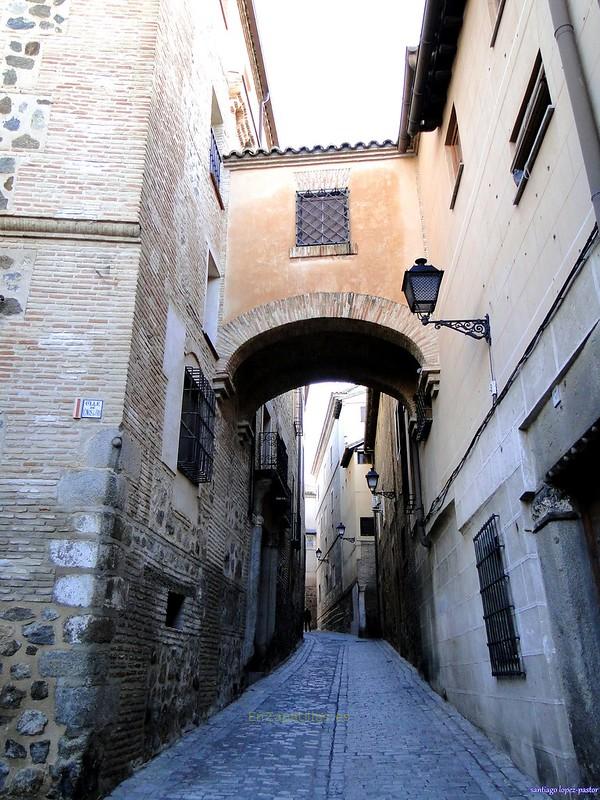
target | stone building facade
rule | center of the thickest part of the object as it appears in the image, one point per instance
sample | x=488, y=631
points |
x=345, y=574
x=499, y=450
x=142, y=581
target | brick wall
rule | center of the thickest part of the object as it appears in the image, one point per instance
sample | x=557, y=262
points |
x=109, y=211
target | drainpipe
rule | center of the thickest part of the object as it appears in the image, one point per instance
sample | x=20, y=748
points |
x=579, y=96
x=430, y=16
x=410, y=61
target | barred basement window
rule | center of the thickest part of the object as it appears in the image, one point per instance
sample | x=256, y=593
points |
x=197, y=432
x=322, y=217
x=530, y=127
x=502, y=639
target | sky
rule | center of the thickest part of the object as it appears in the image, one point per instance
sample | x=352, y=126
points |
x=335, y=67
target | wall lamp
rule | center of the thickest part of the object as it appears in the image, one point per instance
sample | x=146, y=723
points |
x=372, y=477
x=319, y=554
x=421, y=286
x=341, y=530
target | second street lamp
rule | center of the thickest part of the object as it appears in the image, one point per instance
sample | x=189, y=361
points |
x=372, y=478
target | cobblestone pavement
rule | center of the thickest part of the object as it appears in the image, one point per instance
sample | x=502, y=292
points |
x=342, y=719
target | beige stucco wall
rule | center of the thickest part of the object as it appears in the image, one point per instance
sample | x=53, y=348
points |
x=505, y=260
x=384, y=222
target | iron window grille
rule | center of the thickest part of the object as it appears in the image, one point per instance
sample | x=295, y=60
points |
x=424, y=416
x=197, y=431
x=367, y=526
x=322, y=217
x=215, y=159
x=272, y=456
x=498, y=611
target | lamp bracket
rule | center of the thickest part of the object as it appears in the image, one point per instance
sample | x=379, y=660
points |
x=475, y=328
x=388, y=495
x=348, y=539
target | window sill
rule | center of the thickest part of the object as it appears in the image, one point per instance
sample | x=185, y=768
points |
x=320, y=250
x=215, y=186
x=459, y=173
x=497, y=22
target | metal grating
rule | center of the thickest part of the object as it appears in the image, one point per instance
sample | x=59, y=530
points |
x=502, y=639
x=322, y=217
x=424, y=416
x=215, y=159
x=197, y=431
x=272, y=456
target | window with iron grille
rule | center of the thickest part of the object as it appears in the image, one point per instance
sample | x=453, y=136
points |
x=322, y=217
x=502, y=639
x=215, y=159
x=197, y=431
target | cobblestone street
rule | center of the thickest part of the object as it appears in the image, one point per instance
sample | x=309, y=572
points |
x=343, y=718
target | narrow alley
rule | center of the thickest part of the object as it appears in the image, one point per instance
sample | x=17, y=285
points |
x=341, y=718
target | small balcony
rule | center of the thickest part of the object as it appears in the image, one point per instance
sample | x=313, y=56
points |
x=272, y=462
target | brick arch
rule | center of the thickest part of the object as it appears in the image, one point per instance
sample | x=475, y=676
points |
x=323, y=336
x=393, y=320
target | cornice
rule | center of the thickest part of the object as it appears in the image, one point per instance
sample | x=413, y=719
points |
x=59, y=228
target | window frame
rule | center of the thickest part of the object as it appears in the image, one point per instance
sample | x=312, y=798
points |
x=454, y=154
x=530, y=126
x=322, y=195
x=197, y=427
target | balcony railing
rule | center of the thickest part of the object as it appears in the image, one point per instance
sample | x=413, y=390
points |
x=272, y=457
x=215, y=159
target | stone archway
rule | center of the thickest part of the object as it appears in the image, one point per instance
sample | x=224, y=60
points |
x=325, y=335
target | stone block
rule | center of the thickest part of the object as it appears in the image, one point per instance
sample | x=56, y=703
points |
x=89, y=488
x=67, y=553
x=88, y=628
x=27, y=782
x=80, y=707
x=39, y=690
x=4, y=771
x=74, y=590
x=39, y=751
x=73, y=664
x=17, y=614
x=19, y=672
x=9, y=648
x=50, y=614
x=39, y=633
x=32, y=722
x=11, y=696
x=100, y=452
x=13, y=749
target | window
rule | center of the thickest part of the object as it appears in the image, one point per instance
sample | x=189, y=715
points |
x=322, y=217
x=454, y=154
x=217, y=135
x=212, y=300
x=174, y=615
x=530, y=126
x=196, y=434
x=367, y=526
x=502, y=640
x=362, y=457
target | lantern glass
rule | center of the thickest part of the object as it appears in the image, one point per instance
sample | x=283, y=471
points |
x=318, y=553
x=372, y=479
x=341, y=530
x=421, y=286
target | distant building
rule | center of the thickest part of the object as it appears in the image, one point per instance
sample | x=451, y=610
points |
x=346, y=600
x=310, y=582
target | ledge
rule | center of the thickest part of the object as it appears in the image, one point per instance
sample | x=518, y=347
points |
x=58, y=228
x=320, y=250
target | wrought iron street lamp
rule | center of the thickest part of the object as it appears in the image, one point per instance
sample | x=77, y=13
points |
x=341, y=531
x=319, y=554
x=421, y=286
x=372, y=478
